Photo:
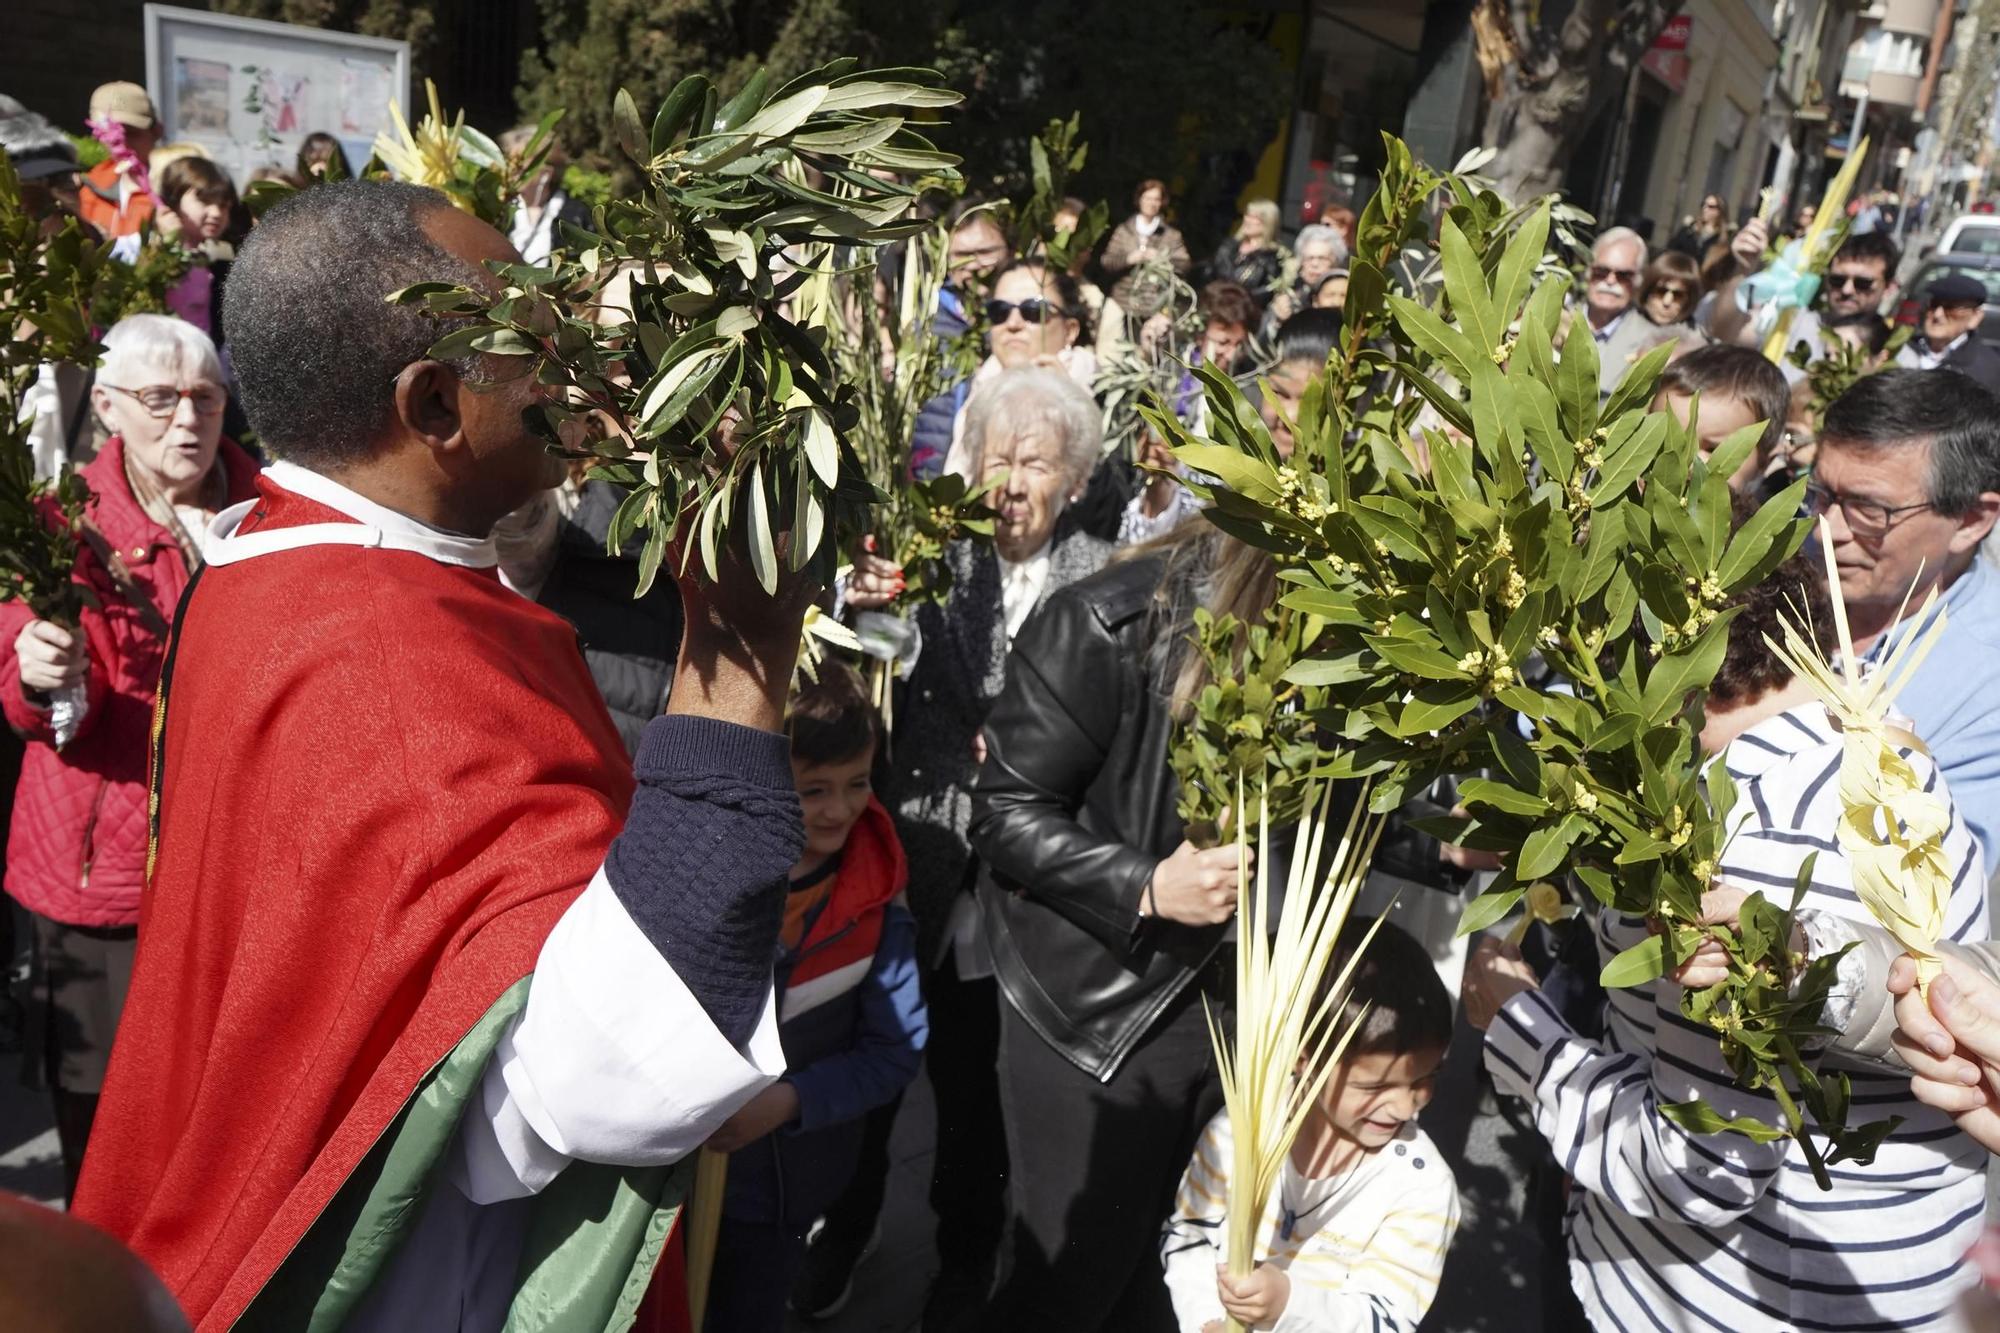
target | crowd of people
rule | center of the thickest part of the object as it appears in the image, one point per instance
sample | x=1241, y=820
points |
x=385, y=950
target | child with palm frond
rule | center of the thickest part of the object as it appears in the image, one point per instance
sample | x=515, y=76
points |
x=1356, y=1234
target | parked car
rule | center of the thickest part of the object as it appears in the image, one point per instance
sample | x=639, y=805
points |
x=1983, y=267
x=1971, y=234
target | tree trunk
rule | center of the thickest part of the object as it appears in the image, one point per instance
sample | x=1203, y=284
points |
x=1548, y=72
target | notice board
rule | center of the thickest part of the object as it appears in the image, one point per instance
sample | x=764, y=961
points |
x=249, y=91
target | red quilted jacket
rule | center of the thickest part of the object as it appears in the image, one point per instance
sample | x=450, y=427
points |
x=77, y=852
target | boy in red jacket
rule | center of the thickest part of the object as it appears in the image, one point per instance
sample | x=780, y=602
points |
x=851, y=1015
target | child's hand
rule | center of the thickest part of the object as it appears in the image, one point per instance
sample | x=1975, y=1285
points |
x=773, y=1108
x=1495, y=973
x=1255, y=1301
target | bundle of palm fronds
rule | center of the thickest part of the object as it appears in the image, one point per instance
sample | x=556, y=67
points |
x=1288, y=1038
x=1891, y=829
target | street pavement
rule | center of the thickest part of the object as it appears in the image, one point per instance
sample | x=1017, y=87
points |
x=30, y=1163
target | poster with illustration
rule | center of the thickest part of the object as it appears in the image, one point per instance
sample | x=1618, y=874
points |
x=249, y=91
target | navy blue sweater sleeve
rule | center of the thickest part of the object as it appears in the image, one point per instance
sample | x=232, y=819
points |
x=888, y=1042
x=715, y=825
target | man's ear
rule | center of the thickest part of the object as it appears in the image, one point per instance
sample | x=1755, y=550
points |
x=427, y=404
x=1975, y=523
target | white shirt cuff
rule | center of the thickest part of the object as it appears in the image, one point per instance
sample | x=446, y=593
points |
x=613, y=1060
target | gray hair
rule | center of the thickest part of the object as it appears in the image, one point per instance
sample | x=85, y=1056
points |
x=316, y=345
x=140, y=347
x=1036, y=397
x=1319, y=233
x=1612, y=236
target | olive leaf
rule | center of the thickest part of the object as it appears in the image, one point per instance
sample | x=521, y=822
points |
x=671, y=337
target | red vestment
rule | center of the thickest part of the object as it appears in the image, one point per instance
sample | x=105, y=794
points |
x=383, y=780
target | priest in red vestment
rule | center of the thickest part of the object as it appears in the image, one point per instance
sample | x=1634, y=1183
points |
x=434, y=987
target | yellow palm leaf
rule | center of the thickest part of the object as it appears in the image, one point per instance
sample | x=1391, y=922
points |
x=1287, y=1046
x=1891, y=830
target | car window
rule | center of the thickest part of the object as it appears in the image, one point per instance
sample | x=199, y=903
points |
x=1975, y=238
x=1988, y=277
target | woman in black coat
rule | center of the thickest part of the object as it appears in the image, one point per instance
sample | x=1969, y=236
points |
x=1251, y=257
x=1105, y=922
x=1039, y=429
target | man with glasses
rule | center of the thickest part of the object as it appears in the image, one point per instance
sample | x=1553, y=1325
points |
x=1908, y=477
x=1948, y=338
x=1610, y=292
x=1859, y=281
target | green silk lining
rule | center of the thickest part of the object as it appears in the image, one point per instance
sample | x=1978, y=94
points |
x=593, y=1235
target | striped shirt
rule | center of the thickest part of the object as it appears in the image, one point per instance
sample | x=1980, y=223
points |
x=1363, y=1249
x=1673, y=1231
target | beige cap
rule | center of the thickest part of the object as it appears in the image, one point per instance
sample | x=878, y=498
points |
x=125, y=103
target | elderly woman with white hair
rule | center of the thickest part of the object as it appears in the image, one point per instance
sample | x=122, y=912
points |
x=1322, y=254
x=1252, y=256
x=1038, y=434
x=76, y=854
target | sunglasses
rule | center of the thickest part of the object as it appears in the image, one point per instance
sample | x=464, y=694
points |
x=1672, y=291
x=161, y=401
x=1034, y=310
x=1624, y=277
x=1860, y=284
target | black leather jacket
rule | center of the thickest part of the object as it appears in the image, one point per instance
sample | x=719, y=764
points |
x=1073, y=810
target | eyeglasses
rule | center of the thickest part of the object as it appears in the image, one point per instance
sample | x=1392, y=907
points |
x=1624, y=277
x=162, y=401
x=1867, y=518
x=1861, y=285
x=1034, y=310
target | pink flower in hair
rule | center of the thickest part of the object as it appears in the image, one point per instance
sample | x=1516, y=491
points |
x=111, y=134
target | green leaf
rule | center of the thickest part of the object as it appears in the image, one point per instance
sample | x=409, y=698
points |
x=1734, y=451
x=864, y=95
x=747, y=100
x=847, y=140
x=625, y=126
x=1636, y=386
x=1698, y=1117
x=1465, y=284
x=763, y=542
x=1643, y=962
x=1517, y=265
x=1236, y=470
x=1434, y=707
x=677, y=111
x=1488, y=909
x=781, y=118
x=1676, y=674
x=1576, y=375
x=1422, y=327
x=1765, y=542
x=1328, y=670
x=1630, y=460
x=1544, y=851
x=1501, y=797
x=649, y=560
x=1417, y=658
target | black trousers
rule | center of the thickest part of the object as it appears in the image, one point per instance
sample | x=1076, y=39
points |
x=969, y=1172
x=1095, y=1167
